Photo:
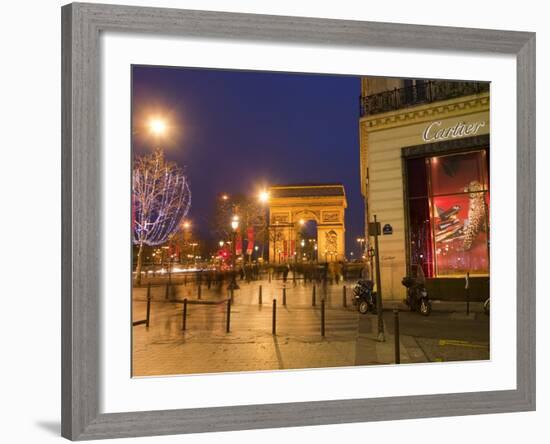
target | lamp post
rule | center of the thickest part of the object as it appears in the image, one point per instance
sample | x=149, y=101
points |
x=186, y=226
x=361, y=241
x=263, y=197
x=234, y=226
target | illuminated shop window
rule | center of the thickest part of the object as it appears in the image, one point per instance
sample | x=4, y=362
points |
x=448, y=201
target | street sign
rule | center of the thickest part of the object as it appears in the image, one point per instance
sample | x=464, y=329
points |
x=388, y=229
x=374, y=229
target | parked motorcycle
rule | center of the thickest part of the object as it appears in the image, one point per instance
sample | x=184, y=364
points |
x=364, y=296
x=487, y=306
x=417, y=296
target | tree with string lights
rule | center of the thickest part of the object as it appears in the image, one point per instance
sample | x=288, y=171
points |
x=161, y=199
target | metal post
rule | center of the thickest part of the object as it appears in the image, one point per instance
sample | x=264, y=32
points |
x=148, y=305
x=167, y=290
x=381, y=336
x=396, y=335
x=184, y=317
x=199, y=291
x=260, y=295
x=323, y=318
x=274, y=318
x=344, y=300
x=231, y=295
x=228, y=317
x=467, y=287
x=284, y=297
x=313, y=296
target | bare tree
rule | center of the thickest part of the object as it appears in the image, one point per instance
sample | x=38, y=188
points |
x=161, y=199
x=251, y=215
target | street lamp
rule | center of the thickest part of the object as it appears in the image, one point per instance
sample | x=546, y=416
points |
x=157, y=127
x=235, y=223
x=316, y=254
x=362, y=243
x=234, y=226
x=263, y=197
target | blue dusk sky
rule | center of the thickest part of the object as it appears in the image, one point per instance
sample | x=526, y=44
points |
x=238, y=131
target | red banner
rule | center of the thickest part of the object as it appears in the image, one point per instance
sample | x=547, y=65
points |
x=250, y=240
x=239, y=244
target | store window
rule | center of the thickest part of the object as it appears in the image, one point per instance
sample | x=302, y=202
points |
x=448, y=203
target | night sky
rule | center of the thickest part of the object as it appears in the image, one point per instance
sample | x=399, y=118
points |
x=239, y=131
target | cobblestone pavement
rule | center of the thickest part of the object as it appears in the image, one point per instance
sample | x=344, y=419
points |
x=205, y=347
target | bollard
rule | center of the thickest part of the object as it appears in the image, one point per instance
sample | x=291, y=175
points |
x=396, y=336
x=274, y=318
x=284, y=297
x=228, y=317
x=148, y=305
x=313, y=296
x=167, y=291
x=200, y=290
x=260, y=295
x=184, y=316
x=467, y=287
x=344, y=301
x=323, y=318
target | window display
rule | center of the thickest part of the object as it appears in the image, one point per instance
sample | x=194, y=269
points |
x=449, y=220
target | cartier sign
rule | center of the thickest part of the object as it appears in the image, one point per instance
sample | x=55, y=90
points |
x=435, y=131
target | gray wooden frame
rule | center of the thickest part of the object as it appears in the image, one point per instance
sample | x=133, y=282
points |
x=81, y=229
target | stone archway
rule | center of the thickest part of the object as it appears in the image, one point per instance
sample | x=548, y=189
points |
x=291, y=205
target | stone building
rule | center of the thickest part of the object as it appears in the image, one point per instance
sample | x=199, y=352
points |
x=424, y=171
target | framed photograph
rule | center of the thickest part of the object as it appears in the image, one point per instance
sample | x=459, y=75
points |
x=264, y=215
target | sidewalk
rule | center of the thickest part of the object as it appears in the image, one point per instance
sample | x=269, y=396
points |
x=371, y=351
x=437, y=305
x=351, y=339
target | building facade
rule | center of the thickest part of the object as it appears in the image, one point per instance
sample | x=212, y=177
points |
x=424, y=150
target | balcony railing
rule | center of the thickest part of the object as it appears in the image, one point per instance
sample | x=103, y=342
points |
x=417, y=94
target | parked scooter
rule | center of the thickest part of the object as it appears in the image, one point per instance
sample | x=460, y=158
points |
x=487, y=306
x=417, y=296
x=364, y=298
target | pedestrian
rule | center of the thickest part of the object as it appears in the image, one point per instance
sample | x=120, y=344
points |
x=285, y=272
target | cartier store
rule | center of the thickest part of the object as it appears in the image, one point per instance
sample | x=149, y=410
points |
x=427, y=175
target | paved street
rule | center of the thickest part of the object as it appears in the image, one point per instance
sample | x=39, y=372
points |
x=350, y=338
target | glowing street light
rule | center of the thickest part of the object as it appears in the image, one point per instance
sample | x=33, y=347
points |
x=235, y=226
x=187, y=225
x=263, y=196
x=235, y=223
x=157, y=127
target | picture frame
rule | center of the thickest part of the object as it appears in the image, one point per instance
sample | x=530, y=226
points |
x=81, y=227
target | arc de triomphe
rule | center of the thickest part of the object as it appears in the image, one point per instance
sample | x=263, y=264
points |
x=291, y=204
